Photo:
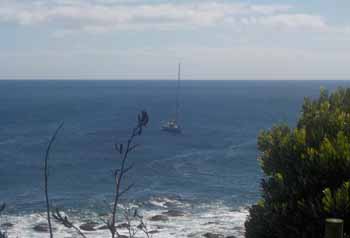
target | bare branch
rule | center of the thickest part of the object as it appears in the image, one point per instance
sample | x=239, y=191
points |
x=2, y=207
x=121, y=149
x=52, y=140
x=128, y=168
x=142, y=121
x=3, y=234
x=119, y=174
x=132, y=148
x=64, y=221
x=107, y=206
x=127, y=215
x=142, y=226
x=126, y=190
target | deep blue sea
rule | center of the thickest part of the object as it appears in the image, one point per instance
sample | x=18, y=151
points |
x=211, y=166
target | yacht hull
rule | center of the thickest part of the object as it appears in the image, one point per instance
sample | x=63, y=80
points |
x=172, y=130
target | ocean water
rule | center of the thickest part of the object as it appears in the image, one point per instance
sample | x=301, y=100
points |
x=210, y=171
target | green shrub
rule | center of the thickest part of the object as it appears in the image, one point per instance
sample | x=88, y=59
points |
x=306, y=171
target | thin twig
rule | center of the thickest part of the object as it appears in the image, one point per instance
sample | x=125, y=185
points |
x=126, y=190
x=2, y=207
x=127, y=215
x=142, y=226
x=67, y=223
x=142, y=120
x=3, y=234
x=46, y=177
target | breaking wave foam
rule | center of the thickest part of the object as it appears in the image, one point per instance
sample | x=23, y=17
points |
x=196, y=221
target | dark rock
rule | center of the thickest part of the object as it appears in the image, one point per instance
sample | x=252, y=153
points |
x=169, y=204
x=42, y=227
x=231, y=237
x=104, y=227
x=140, y=226
x=174, y=213
x=89, y=226
x=191, y=235
x=238, y=228
x=161, y=226
x=7, y=225
x=123, y=226
x=159, y=218
x=153, y=232
x=211, y=223
x=122, y=236
x=212, y=235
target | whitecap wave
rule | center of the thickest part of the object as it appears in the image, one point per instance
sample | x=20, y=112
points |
x=196, y=221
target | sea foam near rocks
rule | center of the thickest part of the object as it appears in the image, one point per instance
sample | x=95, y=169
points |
x=214, y=218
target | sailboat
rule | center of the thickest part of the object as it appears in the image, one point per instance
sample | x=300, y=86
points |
x=172, y=125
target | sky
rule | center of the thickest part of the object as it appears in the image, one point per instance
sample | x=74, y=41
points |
x=139, y=39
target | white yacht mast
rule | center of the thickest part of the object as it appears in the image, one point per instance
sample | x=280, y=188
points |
x=177, y=92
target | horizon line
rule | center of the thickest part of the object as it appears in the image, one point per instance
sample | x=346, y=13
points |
x=170, y=79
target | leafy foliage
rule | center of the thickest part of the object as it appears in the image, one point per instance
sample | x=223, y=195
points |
x=307, y=171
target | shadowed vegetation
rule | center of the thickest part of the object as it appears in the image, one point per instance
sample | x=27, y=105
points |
x=307, y=171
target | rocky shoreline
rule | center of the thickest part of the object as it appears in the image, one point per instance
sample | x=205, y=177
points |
x=160, y=225
x=164, y=218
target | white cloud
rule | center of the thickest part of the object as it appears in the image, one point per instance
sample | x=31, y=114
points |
x=104, y=16
x=257, y=40
x=295, y=21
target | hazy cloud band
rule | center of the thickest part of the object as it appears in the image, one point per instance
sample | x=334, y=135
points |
x=101, y=16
